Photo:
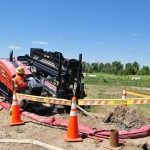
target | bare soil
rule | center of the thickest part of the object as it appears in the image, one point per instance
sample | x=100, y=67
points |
x=55, y=137
x=126, y=118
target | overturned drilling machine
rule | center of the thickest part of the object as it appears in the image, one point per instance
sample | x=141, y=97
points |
x=50, y=74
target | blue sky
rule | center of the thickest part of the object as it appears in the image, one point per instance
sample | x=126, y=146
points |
x=102, y=30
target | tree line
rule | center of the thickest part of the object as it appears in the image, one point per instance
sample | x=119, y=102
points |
x=116, y=68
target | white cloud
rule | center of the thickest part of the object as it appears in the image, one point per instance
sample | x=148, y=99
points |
x=130, y=48
x=14, y=47
x=41, y=43
x=135, y=34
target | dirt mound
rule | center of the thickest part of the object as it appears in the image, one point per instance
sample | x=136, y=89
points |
x=126, y=118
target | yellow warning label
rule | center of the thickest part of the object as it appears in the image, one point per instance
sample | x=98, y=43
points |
x=119, y=102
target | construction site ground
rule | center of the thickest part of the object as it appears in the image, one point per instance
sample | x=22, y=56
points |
x=53, y=136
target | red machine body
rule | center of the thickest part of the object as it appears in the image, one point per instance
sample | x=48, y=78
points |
x=7, y=72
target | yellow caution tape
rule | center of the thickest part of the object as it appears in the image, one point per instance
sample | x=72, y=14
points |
x=114, y=101
x=44, y=99
x=83, y=102
x=137, y=93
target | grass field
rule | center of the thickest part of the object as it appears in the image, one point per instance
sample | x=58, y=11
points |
x=106, y=86
x=106, y=79
x=111, y=86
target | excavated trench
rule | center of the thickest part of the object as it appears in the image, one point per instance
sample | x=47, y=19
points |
x=126, y=118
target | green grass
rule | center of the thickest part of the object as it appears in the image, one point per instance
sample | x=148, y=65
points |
x=105, y=86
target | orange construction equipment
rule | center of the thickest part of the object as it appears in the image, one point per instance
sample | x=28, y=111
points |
x=72, y=134
x=16, y=119
x=124, y=95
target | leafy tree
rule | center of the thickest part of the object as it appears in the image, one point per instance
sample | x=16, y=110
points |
x=144, y=71
x=101, y=67
x=136, y=67
x=117, y=67
x=84, y=66
x=129, y=69
x=88, y=67
x=94, y=67
x=107, y=68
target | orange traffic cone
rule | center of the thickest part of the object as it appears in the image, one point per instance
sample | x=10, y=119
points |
x=16, y=119
x=72, y=134
x=124, y=95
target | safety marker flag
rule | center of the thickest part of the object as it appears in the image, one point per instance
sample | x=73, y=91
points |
x=72, y=134
x=124, y=95
x=16, y=119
